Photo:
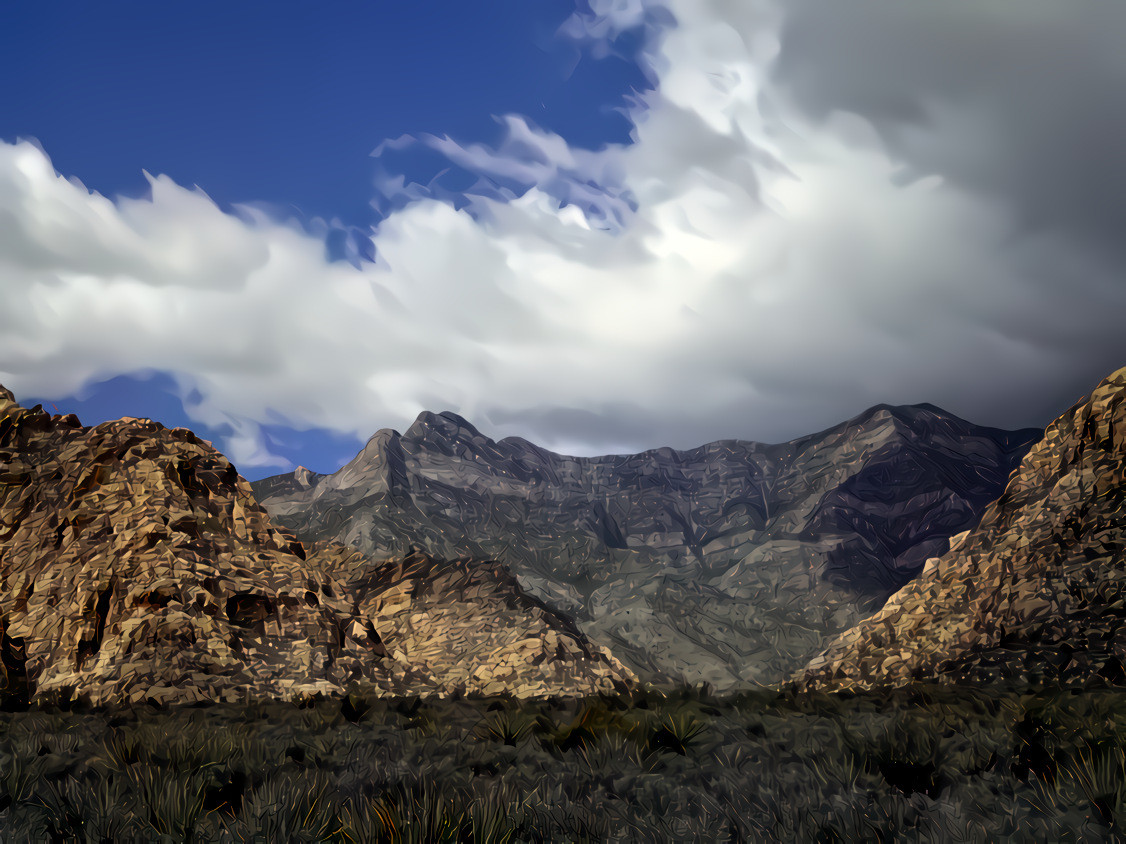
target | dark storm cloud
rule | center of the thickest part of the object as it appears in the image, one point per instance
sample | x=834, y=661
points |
x=1024, y=100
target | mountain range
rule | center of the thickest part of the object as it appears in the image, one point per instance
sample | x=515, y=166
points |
x=904, y=544
x=732, y=563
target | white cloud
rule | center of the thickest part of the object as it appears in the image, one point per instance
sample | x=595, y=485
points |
x=747, y=268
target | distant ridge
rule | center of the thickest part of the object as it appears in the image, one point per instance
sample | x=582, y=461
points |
x=730, y=563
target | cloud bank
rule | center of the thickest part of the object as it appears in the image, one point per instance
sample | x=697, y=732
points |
x=821, y=210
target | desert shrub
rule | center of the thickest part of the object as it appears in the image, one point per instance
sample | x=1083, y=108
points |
x=198, y=750
x=1093, y=776
x=594, y=720
x=906, y=758
x=114, y=752
x=616, y=762
x=20, y=772
x=68, y=812
x=922, y=763
x=291, y=806
x=170, y=802
x=107, y=807
x=832, y=771
x=573, y=823
x=419, y=813
x=673, y=732
x=33, y=724
x=258, y=757
x=493, y=818
x=406, y=706
x=507, y=727
x=322, y=750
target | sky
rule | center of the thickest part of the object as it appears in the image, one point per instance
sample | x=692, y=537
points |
x=602, y=225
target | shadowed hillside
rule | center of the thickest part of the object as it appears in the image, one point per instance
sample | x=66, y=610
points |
x=1036, y=593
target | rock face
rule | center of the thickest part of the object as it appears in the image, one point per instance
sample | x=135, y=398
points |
x=136, y=564
x=731, y=563
x=1036, y=593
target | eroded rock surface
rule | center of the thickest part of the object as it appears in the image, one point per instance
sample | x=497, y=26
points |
x=1036, y=593
x=135, y=563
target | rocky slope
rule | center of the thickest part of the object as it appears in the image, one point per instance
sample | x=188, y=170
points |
x=731, y=563
x=1036, y=593
x=136, y=564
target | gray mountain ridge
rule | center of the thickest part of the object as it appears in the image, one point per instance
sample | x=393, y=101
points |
x=731, y=563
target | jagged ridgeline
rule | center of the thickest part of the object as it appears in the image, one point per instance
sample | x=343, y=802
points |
x=1035, y=594
x=136, y=564
x=732, y=563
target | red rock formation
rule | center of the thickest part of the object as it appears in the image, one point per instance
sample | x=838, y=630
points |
x=136, y=564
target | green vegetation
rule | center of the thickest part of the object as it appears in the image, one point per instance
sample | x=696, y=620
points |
x=926, y=763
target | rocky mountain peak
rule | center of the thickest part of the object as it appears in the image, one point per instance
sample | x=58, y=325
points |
x=441, y=427
x=135, y=563
x=1027, y=595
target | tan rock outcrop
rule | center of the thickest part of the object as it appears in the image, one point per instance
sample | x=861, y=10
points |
x=136, y=564
x=1036, y=593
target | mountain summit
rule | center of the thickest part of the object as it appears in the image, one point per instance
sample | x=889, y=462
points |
x=1036, y=593
x=444, y=427
x=730, y=563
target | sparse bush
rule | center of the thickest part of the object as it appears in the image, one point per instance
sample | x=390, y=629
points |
x=510, y=728
x=594, y=721
x=675, y=733
x=20, y=773
x=419, y=813
x=169, y=801
x=1094, y=776
x=289, y=807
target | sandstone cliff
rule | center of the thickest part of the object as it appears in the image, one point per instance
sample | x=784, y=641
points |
x=136, y=564
x=1034, y=594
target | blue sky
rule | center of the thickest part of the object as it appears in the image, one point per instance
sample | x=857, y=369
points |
x=282, y=103
x=605, y=226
